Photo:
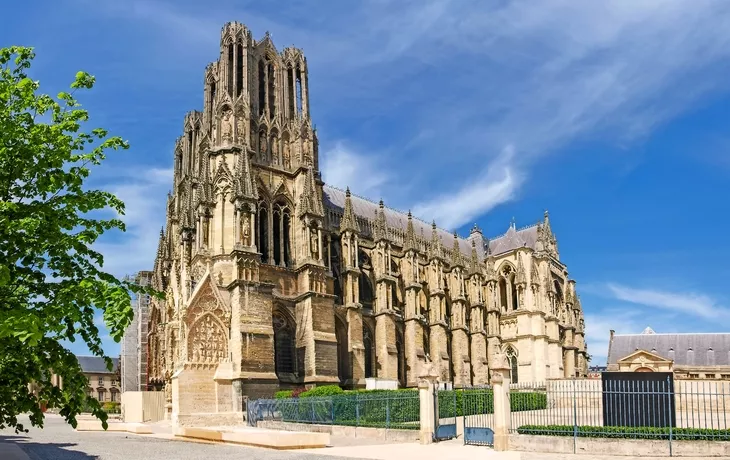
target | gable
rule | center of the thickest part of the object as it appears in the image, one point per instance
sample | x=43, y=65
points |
x=644, y=356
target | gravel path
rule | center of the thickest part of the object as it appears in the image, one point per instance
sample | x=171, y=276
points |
x=58, y=441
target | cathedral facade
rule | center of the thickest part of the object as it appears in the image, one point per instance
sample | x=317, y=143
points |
x=274, y=280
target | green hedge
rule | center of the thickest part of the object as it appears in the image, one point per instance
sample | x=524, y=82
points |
x=626, y=432
x=284, y=394
x=480, y=401
x=377, y=408
x=111, y=407
x=323, y=391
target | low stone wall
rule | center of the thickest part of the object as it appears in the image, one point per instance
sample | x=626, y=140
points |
x=345, y=431
x=209, y=419
x=618, y=447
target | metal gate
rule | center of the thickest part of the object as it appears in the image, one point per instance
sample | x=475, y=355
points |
x=445, y=414
x=478, y=411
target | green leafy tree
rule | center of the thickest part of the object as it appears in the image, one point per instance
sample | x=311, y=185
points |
x=51, y=279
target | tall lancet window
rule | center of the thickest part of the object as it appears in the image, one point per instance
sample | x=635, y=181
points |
x=283, y=344
x=281, y=235
x=239, y=69
x=286, y=235
x=299, y=90
x=277, y=235
x=230, y=69
x=262, y=235
x=262, y=87
x=272, y=90
x=367, y=343
x=291, y=91
x=190, y=152
x=211, y=102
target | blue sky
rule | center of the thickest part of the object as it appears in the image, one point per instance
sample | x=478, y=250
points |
x=613, y=115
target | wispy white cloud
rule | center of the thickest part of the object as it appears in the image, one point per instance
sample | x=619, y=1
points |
x=692, y=304
x=143, y=194
x=479, y=77
x=497, y=185
x=343, y=167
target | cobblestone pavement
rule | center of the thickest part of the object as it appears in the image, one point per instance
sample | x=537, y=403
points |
x=58, y=441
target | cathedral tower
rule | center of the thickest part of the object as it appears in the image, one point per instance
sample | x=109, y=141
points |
x=275, y=281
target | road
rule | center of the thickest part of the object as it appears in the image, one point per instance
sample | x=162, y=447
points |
x=58, y=441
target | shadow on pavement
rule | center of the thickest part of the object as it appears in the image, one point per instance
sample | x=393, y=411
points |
x=47, y=450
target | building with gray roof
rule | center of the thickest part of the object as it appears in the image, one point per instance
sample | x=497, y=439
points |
x=688, y=355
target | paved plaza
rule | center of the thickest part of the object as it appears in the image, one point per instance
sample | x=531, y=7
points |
x=58, y=441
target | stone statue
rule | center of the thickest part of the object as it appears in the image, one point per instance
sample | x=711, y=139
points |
x=315, y=243
x=227, y=128
x=287, y=155
x=240, y=129
x=206, y=226
x=263, y=147
x=275, y=151
x=245, y=230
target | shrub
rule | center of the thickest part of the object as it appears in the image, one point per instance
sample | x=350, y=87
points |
x=284, y=394
x=111, y=407
x=481, y=401
x=377, y=408
x=319, y=392
x=626, y=432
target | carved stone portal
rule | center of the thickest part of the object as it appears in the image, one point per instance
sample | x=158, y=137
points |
x=207, y=341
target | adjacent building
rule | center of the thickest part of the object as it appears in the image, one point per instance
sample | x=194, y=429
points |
x=688, y=356
x=134, y=344
x=594, y=372
x=275, y=280
x=104, y=384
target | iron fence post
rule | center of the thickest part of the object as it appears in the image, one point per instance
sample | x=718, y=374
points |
x=332, y=402
x=387, y=413
x=671, y=415
x=357, y=410
x=575, y=419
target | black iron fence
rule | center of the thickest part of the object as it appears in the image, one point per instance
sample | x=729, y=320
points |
x=634, y=407
x=393, y=410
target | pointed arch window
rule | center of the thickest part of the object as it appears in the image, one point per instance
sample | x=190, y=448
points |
x=512, y=360
x=299, y=90
x=284, y=350
x=230, y=69
x=366, y=290
x=503, y=294
x=334, y=255
x=343, y=355
x=211, y=102
x=262, y=87
x=399, y=340
x=291, y=91
x=272, y=90
x=367, y=342
x=282, y=233
x=262, y=234
x=239, y=69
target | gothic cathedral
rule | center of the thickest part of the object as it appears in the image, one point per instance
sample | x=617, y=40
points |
x=275, y=280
